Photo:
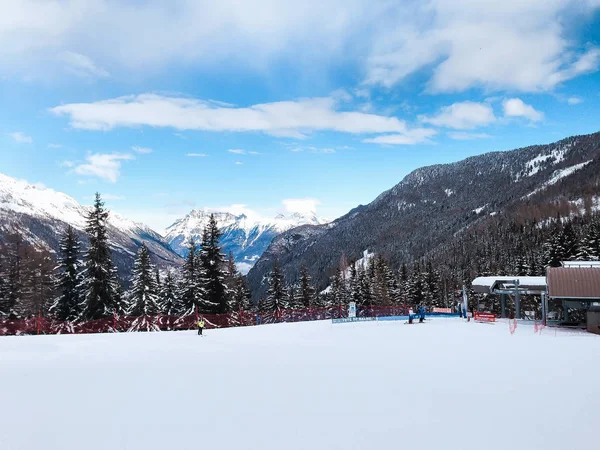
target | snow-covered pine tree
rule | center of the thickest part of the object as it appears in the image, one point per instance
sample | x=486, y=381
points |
x=122, y=304
x=365, y=296
x=276, y=300
x=291, y=296
x=98, y=278
x=306, y=291
x=338, y=289
x=230, y=280
x=191, y=292
x=568, y=243
x=589, y=250
x=213, y=264
x=67, y=305
x=158, y=280
x=241, y=295
x=553, y=251
x=415, y=291
x=168, y=295
x=144, y=293
x=433, y=282
x=381, y=282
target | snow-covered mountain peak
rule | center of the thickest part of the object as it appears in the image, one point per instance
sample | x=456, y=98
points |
x=41, y=215
x=245, y=235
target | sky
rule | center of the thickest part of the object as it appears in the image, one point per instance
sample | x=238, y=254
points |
x=272, y=107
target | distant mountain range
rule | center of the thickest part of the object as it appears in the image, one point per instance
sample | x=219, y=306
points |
x=432, y=207
x=41, y=216
x=247, y=238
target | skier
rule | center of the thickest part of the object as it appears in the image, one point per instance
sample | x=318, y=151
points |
x=459, y=307
x=421, y=314
x=200, y=326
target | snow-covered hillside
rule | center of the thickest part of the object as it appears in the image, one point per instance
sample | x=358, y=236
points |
x=446, y=384
x=246, y=237
x=41, y=215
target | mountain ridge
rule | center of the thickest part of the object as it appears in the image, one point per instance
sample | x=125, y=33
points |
x=452, y=197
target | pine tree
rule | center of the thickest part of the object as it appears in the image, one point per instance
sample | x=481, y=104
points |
x=553, y=251
x=241, y=295
x=144, y=289
x=67, y=305
x=98, y=279
x=230, y=280
x=144, y=292
x=13, y=299
x=590, y=244
x=191, y=292
x=276, y=300
x=168, y=295
x=432, y=281
x=365, y=297
x=568, y=241
x=213, y=262
x=306, y=291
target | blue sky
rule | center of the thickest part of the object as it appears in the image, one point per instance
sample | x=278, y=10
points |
x=270, y=107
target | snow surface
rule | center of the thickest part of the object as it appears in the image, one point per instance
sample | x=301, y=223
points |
x=558, y=175
x=534, y=165
x=445, y=384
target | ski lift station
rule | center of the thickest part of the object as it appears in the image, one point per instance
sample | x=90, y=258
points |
x=569, y=295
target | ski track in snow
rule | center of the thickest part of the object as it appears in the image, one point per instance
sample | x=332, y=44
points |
x=446, y=384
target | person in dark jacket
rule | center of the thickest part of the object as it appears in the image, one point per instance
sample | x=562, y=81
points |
x=421, y=314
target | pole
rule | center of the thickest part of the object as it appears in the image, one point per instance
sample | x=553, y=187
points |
x=517, y=300
x=465, y=300
x=544, y=309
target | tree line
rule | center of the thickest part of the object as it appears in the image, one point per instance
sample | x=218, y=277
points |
x=501, y=246
x=84, y=285
x=369, y=282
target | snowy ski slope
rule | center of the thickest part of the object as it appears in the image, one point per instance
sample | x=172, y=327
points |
x=445, y=384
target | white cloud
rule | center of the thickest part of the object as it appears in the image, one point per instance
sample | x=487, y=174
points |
x=463, y=136
x=496, y=45
x=463, y=116
x=149, y=35
x=196, y=155
x=68, y=164
x=82, y=65
x=238, y=163
x=415, y=136
x=285, y=118
x=518, y=45
x=515, y=107
x=55, y=146
x=104, y=166
x=301, y=205
x=574, y=100
x=21, y=138
x=141, y=150
x=239, y=151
